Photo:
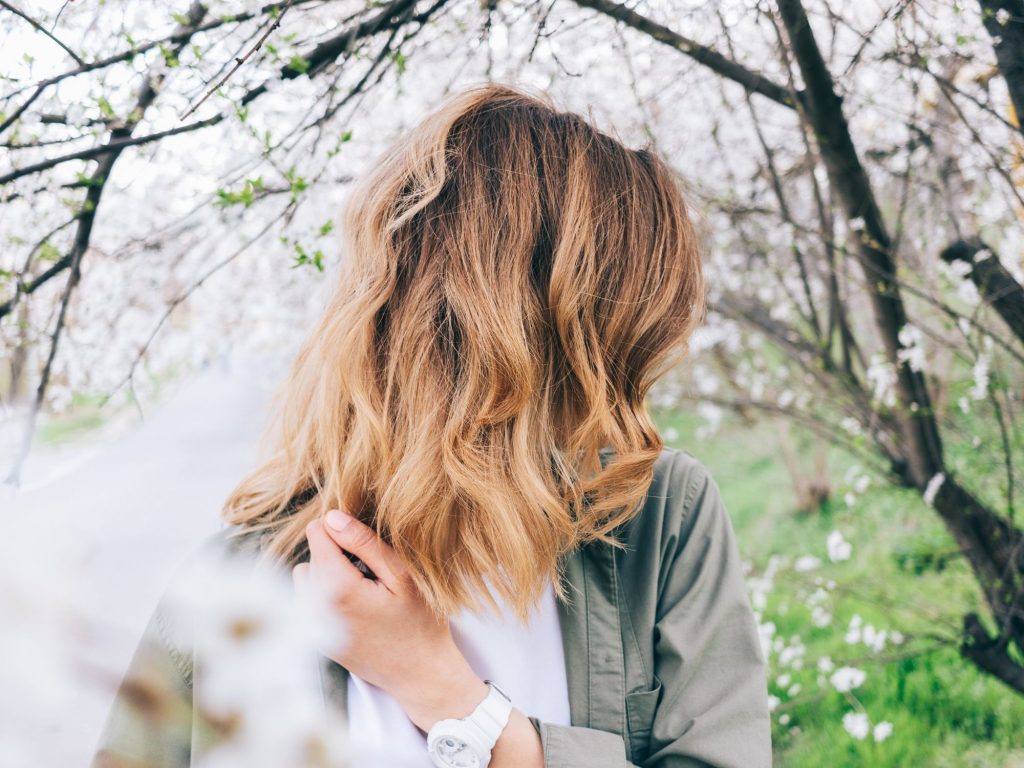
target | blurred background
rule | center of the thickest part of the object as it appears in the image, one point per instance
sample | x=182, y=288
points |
x=171, y=179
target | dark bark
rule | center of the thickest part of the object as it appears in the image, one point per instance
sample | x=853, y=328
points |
x=824, y=112
x=995, y=284
x=990, y=654
x=991, y=543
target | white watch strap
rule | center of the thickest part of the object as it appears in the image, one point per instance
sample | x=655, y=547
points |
x=480, y=729
x=491, y=715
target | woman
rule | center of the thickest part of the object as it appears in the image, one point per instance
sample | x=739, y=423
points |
x=468, y=468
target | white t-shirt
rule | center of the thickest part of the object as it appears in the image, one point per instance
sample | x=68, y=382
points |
x=525, y=660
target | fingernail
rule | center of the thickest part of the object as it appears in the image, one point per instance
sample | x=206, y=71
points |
x=337, y=520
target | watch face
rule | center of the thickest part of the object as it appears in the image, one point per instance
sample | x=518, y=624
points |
x=456, y=753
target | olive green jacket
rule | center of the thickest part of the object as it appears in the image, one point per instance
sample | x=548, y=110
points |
x=663, y=659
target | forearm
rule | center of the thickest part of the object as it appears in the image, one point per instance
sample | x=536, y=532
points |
x=519, y=745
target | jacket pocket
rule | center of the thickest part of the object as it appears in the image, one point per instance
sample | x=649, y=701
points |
x=641, y=707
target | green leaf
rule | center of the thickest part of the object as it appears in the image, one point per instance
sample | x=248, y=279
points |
x=399, y=58
x=298, y=63
x=105, y=108
x=170, y=58
x=326, y=228
x=302, y=257
x=343, y=138
x=245, y=197
x=298, y=183
x=48, y=252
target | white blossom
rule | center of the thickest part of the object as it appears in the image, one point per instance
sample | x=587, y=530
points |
x=856, y=724
x=806, y=563
x=853, y=632
x=838, y=547
x=246, y=617
x=882, y=377
x=882, y=731
x=981, y=377
x=851, y=426
x=845, y=679
x=874, y=638
x=911, y=347
x=932, y=489
x=821, y=617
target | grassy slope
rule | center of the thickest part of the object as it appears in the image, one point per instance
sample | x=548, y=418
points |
x=945, y=713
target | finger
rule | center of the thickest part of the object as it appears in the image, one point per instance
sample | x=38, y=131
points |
x=361, y=540
x=332, y=572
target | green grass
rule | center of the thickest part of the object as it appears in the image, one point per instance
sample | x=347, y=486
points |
x=903, y=575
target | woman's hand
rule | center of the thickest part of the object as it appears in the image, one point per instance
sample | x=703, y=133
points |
x=395, y=641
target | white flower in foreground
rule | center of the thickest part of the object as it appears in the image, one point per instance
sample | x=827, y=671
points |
x=256, y=649
x=882, y=731
x=838, y=547
x=845, y=679
x=856, y=724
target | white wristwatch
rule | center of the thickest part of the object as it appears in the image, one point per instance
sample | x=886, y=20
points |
x=466, y=742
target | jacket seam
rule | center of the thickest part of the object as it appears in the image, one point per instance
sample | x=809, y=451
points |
x=177, y=658
x=632, y=628
x=590, y=651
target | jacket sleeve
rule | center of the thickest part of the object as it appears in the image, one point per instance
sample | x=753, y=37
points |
x=149, y=724
x=713, y=708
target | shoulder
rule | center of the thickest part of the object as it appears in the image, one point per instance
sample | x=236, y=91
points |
x=682, y=514
x=682, y=496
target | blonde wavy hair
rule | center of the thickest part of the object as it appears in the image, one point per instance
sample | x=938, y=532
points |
x=514, y=282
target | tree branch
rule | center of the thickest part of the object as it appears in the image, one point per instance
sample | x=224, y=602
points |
x=702, y=54
x=995, y=284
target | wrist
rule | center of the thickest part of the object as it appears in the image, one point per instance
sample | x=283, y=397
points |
x=450, y=690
